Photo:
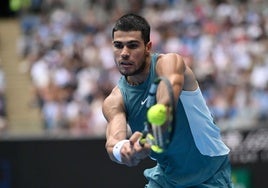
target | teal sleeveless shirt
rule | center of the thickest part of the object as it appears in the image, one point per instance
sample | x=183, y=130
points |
x=135, y=98
x=196, y=151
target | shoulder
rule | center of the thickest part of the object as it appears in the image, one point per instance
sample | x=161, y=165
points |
x=113, y=96
x=170, y=62
x=114, y=101
x=170, y=57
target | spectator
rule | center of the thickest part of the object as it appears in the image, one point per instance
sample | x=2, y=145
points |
x=3, y=113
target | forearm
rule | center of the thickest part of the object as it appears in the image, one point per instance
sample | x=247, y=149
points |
x=114, y=150
x=114, y=134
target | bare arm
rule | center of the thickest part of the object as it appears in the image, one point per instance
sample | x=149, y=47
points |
x=181, y=77
x=114, y=112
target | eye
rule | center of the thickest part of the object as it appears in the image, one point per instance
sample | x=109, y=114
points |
x=118, y=45
x=132, y=45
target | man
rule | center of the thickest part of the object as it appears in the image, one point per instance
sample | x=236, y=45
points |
x=196, y=156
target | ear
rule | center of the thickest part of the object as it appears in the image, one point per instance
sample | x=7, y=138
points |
x=148, y=47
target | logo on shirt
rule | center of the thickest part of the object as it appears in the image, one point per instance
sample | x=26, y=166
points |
x=144, y=101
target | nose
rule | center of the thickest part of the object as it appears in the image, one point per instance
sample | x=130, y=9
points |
x=125, y=53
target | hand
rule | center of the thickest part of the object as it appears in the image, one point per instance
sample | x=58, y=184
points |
x=132, y=152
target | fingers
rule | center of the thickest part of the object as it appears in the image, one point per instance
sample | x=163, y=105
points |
x=138, y=144
x=132, y=152
x=129, y=156
x=135, y=137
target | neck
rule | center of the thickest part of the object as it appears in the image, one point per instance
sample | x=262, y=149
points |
x=136, y=80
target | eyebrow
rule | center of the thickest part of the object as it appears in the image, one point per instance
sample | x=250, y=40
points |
x=128, y=42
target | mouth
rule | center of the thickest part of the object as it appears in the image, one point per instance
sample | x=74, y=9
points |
x=125, y=64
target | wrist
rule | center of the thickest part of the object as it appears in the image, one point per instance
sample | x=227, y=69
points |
x=117, y=150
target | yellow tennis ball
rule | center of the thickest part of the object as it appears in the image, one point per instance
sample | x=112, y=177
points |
x=157, y=114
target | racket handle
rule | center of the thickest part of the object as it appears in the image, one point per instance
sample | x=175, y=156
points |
x=150, y=139
x=147, y=138
x=142, y=141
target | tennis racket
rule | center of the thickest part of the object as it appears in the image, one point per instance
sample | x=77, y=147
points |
x=157, y=136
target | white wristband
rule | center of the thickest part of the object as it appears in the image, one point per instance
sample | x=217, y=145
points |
x=117, y=148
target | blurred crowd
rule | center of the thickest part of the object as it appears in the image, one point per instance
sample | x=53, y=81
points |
x=3, y=108
x=66, y=51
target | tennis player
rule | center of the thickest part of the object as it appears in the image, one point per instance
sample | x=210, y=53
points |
x=196, y=156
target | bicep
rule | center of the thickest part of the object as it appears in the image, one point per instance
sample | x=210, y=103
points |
x=172, y=67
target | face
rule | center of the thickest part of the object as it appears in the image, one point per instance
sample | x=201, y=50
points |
x=130, y=52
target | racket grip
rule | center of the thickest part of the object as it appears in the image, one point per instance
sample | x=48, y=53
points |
x=142, y=141
x=146, y=138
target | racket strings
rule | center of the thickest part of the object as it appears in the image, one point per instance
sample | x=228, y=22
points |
x=157, y=131
x=159, y=137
